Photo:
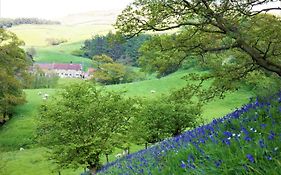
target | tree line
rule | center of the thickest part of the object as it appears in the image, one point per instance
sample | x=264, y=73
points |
x=7, y=22
x=86, y=122
x=115, y=46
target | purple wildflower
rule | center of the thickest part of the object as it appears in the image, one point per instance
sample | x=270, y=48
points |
x=250, y=158
x=183, y=165
x=247, y=138
x=227, y=134
x=271, y=136
x=226, y=141
x=218, y=163
x=261, y=142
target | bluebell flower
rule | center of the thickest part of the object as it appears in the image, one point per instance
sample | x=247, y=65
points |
x=250, y=158
x=227, y=134
x=218, y=163
x=261, y=143
x=263, y=125
x=247, y=138
x=271, y=136
x=226, y=141
x=183, y=165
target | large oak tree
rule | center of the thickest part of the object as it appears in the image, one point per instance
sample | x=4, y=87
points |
x=226, y=24
x=236, y=40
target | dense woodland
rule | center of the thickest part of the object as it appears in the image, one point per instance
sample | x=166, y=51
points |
x=7, y=22
x=115, y=46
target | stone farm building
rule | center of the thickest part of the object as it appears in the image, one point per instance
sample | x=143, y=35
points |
x=62, y=70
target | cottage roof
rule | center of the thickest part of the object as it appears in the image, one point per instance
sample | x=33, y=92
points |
x=59, y=66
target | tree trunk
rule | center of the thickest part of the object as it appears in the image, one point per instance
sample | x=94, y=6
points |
x=146, y=144
x=258, y=58
x=106, y=158
x=94, y=164
x=93, y=170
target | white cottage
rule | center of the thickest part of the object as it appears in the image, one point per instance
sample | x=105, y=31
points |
x=62, y=70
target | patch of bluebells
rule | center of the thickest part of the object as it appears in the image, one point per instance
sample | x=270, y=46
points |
x=246, y=139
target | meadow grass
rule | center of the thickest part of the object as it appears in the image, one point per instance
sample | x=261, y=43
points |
x=20, y=130
x=54, y=55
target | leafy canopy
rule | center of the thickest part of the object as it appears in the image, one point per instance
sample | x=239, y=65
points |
x=83, y=123
x=235, y=39
x=14, y=74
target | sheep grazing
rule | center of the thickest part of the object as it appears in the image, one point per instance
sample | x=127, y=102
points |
x=46, y=96
x=125, y=152
x=118, y=155
x=40, y=93
x=21, y=149
x=152, y=91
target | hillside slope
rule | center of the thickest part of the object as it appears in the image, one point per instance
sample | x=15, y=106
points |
x=246, y=141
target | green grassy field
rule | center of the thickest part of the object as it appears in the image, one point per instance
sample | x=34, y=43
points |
x=54, y=55
x=36, y=35
x=19, y=132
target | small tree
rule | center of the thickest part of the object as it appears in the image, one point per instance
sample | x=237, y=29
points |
x=164, y=117
x=110, y=72
x=83, y=123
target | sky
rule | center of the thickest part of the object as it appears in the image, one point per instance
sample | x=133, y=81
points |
x=52, y=9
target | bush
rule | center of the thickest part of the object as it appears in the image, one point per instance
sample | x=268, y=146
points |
x=55, y=41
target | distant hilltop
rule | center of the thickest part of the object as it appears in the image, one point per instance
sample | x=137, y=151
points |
x=107, y=17
x=9, y=22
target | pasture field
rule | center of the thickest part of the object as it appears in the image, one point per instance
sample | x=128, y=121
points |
x=36, y=35
x=53, y=55
x=20, y=130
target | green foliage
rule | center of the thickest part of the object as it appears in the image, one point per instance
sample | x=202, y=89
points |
x=226, y=37
x=40, y=80
x=115, y=47
x=83, y=123
x=55, y=41
x=6, y=22
x=78, y=53
x=156, y=58
x=110, y=72
x=165, y=116
x=13, y=73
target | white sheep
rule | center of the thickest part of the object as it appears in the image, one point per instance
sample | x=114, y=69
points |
x=21, y=149
x=152, y=91
x=118, y=155
x=46, y=96
x=125, y=152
